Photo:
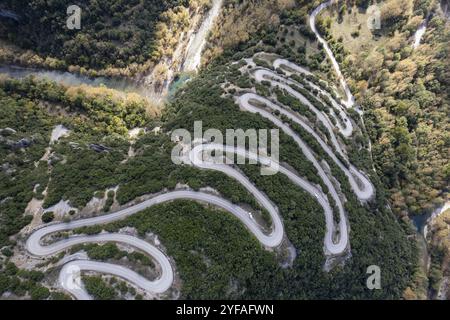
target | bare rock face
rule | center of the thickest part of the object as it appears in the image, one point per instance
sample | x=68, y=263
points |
x=99, y=147
x=6, y=138
x=7, y=132
x=22, y=143
x=14, y=145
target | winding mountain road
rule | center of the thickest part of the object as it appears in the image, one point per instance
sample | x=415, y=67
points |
x=364, y=192
x=350, y=102
x=345, y=131
x=278, y=81
x=335, y=241
x=66, y=279
x=331, y=247
x=67, y=276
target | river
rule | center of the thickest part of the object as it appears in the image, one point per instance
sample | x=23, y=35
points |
x=191, y=59
x=423, y=221
x=73, y=79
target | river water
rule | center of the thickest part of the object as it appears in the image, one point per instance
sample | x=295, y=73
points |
x=422, y=221
x=73, y=79
x=191, y=61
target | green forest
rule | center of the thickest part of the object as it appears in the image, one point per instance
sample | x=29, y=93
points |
x=404, y=94
x=376, y=237
x=120, y=37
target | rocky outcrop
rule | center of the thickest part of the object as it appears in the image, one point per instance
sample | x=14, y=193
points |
x=99, y=147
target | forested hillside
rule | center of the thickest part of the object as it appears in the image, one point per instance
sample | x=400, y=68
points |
x=123, y=37
x=439, y=239
x=247, y=270
x=214, y=255
x=115, y=150
x=405, y=93
x=401, y=79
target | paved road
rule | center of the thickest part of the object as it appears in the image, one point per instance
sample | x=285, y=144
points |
x=70, y=270
x=35, y=247
x=358, y=181
x=330, y=246
x=350, y=102
x=197, y=159
x=68, y=274
x=67, y=277
x=345, y=129
x=164, y=282
x=278, y=81
x=277, y=63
